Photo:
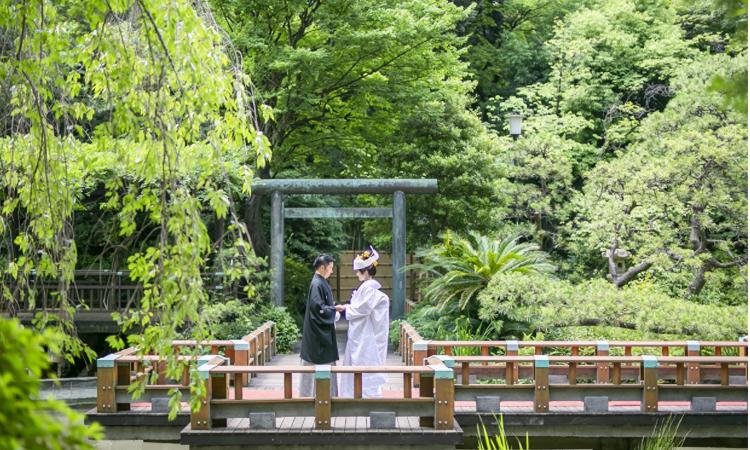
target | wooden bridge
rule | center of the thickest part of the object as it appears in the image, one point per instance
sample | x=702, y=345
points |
x=562, y=394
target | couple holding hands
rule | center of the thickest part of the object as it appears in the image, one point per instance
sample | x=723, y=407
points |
x=367, y=338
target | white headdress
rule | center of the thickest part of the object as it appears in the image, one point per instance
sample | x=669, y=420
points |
x=366, y=259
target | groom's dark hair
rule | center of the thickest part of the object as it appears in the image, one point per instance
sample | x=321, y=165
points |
x=322, y=260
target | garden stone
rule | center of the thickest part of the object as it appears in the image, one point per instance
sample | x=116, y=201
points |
x=160, y=404
x=703, y=404
x=488, y=404
x=596, y=404
x=558, y=379
x=737, y=379
x=263, y=421
x=382, y=420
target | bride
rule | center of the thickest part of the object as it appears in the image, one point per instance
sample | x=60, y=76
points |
x=367, y=337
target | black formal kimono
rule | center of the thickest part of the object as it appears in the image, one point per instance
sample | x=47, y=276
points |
x=318, y=331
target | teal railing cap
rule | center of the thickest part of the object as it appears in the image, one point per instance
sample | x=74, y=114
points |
x=106, y=361
x=441, y=372
x=541, y=361
x=693, y=346
x=602, y=346
x=650, y=362
x=447, y=360
x=511, y=345
x=239, y=344
x=323, y=372
x=420, y=345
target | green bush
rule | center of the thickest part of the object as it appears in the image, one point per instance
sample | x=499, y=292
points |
x=287, y=331
x=549, y=304
x=296, y=284
x=234, y=318
x=231, y=319
x=27, y=420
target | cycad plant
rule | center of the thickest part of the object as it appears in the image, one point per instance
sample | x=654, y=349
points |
x=459, y=268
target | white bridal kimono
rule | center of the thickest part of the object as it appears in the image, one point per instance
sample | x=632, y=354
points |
x=367, y=339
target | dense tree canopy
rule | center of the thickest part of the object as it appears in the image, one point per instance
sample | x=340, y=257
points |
x=131, y=133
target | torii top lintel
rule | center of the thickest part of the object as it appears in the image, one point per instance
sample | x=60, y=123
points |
x=345, y=186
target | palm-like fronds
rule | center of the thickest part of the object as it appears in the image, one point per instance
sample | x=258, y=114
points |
x=460, y=268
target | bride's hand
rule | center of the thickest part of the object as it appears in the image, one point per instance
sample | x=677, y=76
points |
x=340, y=308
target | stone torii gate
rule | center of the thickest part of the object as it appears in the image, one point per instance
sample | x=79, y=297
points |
x=397, y=187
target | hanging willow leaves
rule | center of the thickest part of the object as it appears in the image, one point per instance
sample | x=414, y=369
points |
x=140, y=98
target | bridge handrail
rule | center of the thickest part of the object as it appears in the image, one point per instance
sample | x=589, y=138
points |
x=434, y=400
x=116, y=371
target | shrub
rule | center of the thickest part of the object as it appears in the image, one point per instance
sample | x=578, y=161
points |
x=459, y=268
x=231, y=319
x=287, y=331
x=27, y=420
x=296, y=284
x=548, y=304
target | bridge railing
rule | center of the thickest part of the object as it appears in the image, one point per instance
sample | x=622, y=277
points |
x=434, y=403
x=648, y=386
x=414, y=349
x=99, y=291
x=117, y=371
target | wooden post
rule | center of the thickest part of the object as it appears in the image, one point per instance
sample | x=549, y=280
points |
x=444, y=397
x=420, y=354
x=602, y=369
x=123, y=379
x=161, y=372
x=724, y=374
x=241, y=357
x=743, y=352
x=511, y=371
x=358, y=385
x=680, y=374
x=201, y=419
x=693, y=369
x=426, y=390
x=616, y=373
x=274, y=335
x=261, y=348
x=541, y=383
x=323, y=397
x=401, y=341
x=572, y=366
x=650, y=369
x=407, y=385
x=288, y=385
x=485, y=352
x=106, y=380
x=219, y=390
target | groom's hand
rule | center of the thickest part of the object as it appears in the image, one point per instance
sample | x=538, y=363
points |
x=340, y=308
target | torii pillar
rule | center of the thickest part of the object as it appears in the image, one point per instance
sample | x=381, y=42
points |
x=398, y=188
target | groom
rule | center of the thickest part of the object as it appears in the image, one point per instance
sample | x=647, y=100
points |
x=318, y=331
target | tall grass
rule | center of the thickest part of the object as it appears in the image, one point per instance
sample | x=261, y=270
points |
x=499, y=441
x=664, y=436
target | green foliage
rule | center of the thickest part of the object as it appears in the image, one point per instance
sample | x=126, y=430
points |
x=231, y=319
x=287, y=332
x=297, y=276
x=547, y=304
x=370, y=89
x=676, y=199
x=664, y=436
x=138, y=99
x=26, y=419
x=506, y=42
x=498, y=440
x=459, y=268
